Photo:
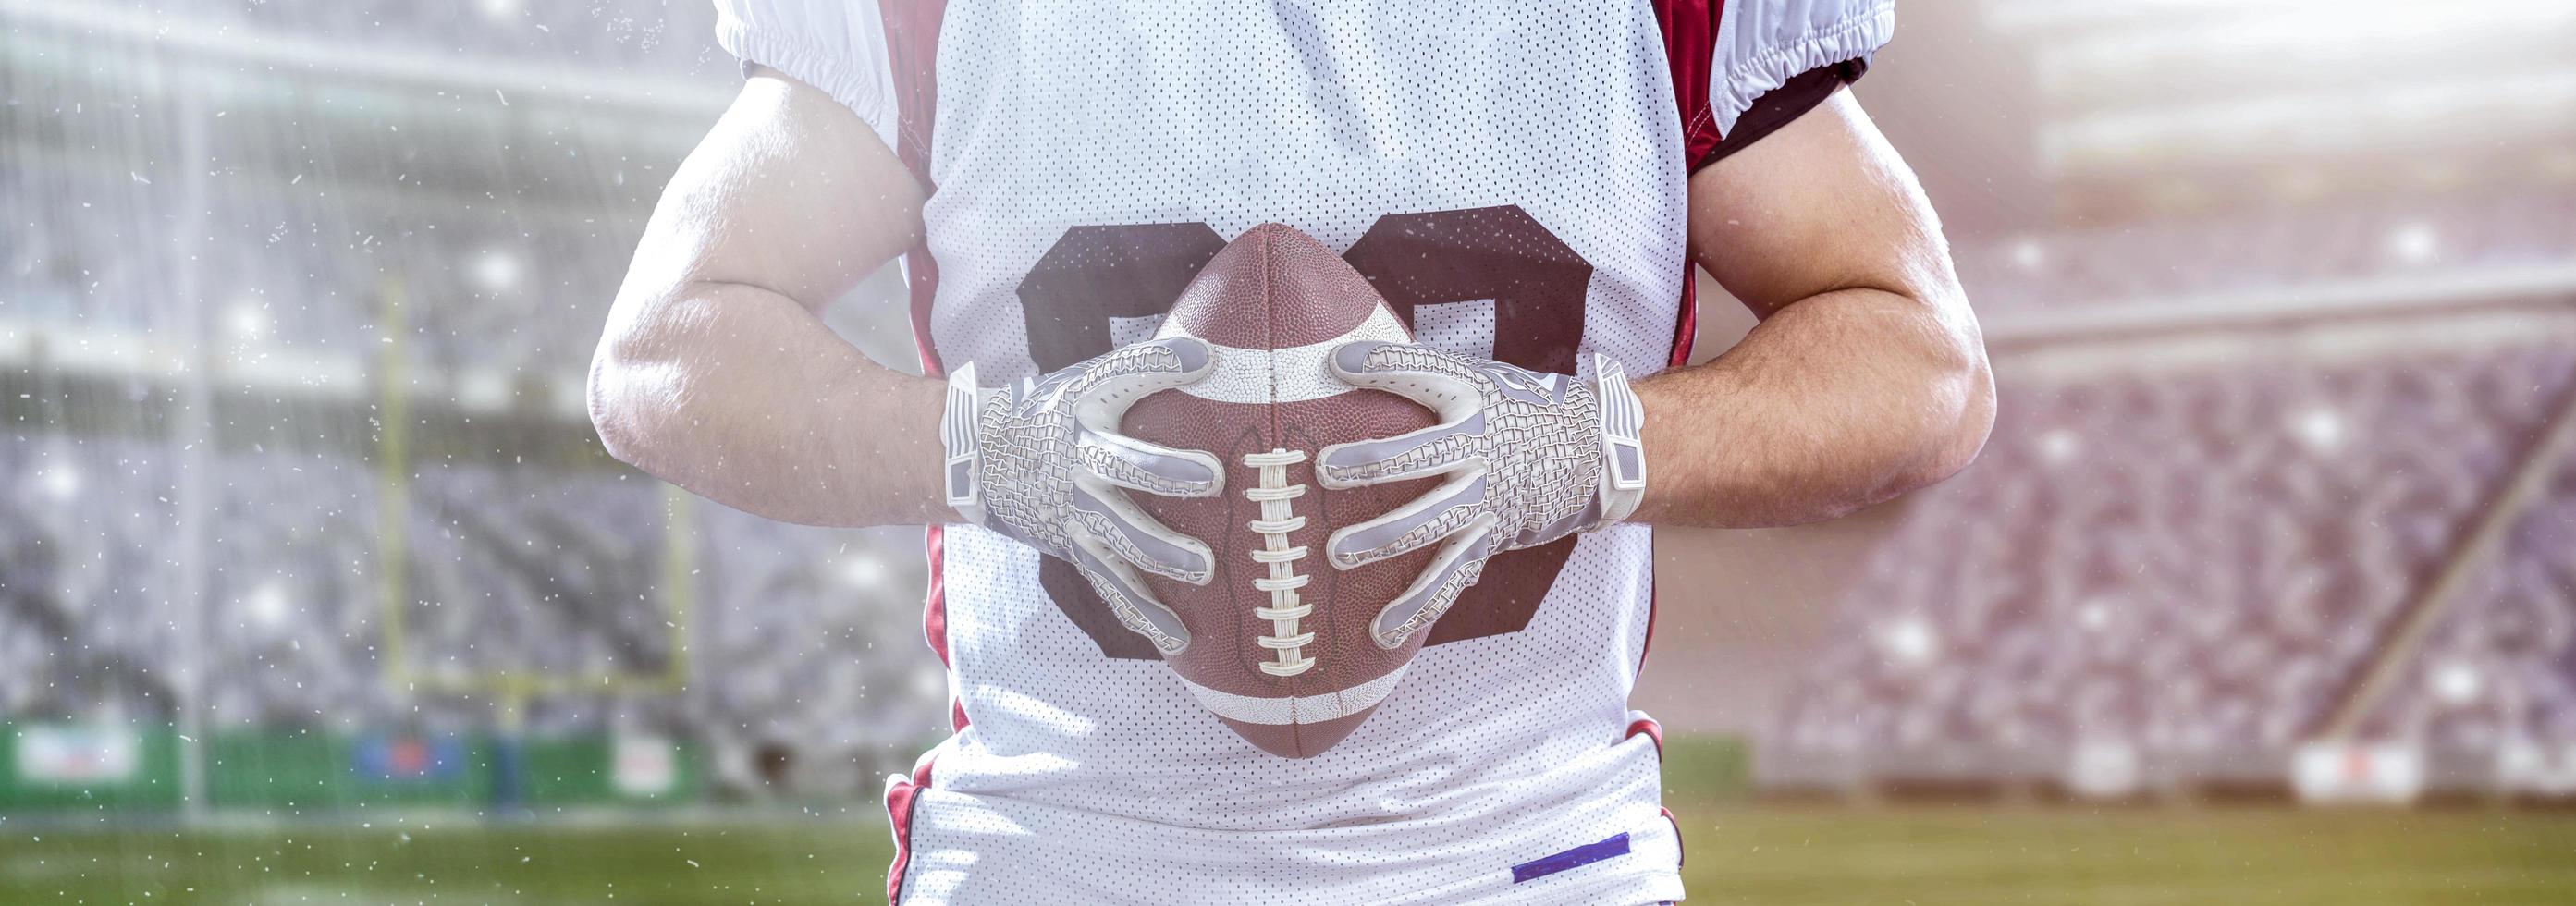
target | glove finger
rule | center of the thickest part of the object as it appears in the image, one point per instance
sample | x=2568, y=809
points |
x=1429, y=451
x=1114, y=383
x=1458, y=565
x=1149, y=467
x=1106, y=516
x=1155, y=364
x=1413, y=526
x=1129, y=600
x=1441, y=382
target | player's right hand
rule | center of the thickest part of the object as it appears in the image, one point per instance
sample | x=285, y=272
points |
x=1042, y=462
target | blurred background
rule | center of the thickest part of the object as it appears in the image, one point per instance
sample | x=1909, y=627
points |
x=315, y=584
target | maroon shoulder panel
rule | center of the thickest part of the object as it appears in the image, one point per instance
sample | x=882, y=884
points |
x=1690, y=51
x=1690, y=46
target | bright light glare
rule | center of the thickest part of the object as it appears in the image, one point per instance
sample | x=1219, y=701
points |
x=2321, y=429
x=2059, y=445
x=270, y=605
x=1909, y=641
x=497, y=271
x=2414, y=243
x=2028, y=254
x=862, y=571
x=246, y=320
x=2456, y=683
x=60, y=483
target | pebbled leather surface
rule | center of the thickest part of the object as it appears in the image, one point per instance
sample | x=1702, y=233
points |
x=1274, y=288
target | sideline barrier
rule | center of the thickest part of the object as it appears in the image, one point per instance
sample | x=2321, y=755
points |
x=125, y=768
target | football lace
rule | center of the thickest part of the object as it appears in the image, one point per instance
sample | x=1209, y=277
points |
x=1278, y=518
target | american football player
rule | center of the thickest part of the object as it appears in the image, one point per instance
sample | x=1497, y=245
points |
x=1528, y=184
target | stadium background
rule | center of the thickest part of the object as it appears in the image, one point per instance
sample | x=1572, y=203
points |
x=314, y=584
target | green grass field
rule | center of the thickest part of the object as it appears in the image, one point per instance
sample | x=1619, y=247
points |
x=1737, y=854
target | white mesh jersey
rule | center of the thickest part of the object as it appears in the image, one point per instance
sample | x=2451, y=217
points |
x=1511, y=176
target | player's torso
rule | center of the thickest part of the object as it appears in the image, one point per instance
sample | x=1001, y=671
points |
x=1510, y=177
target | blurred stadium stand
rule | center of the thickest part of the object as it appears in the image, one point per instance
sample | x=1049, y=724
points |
x=2191, y=561
x=2284, y=368
x=243, y=238
x=2280, y=476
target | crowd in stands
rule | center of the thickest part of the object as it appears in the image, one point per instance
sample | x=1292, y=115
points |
x=303, y=275
x=786, y=633
x=2195, y=563
x=2500, y=665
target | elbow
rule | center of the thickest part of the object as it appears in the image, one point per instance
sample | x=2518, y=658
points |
x=1968, y=433
x=1934, y=434
x=610, y=418
x=619, y=411
x=638, y=373
x=1952, y=407
x=1960, y=421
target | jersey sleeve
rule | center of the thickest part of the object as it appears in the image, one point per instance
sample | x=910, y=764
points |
x=838, y=46
x=1763, y=44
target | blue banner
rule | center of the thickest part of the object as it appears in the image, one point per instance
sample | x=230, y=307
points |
x=402, y=759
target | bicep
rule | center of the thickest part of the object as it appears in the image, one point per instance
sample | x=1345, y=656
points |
x=1823, y=204
x=789, y=192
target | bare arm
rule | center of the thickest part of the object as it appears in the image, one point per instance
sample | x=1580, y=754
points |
x=1867, y=376
x=716, y=371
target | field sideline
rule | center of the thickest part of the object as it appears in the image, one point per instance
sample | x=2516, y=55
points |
x=1737, y=854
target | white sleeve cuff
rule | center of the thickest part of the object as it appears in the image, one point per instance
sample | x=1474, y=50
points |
x=1761, y=44
x=838, y=46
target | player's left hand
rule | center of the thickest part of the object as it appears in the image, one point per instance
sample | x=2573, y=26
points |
x=1042, y=462
x=1530, y=458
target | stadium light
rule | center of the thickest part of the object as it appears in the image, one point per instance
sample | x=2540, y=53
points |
x=497, y=271
x=863, y=572
x=2028, y=254
x=2321, y=429
x=246, y=320
x=2457, y=683
x=270, y=605
x=2414, y=243
x=2095, y=615
x=1909, y=641
x=2059, y=445
x=59, y=484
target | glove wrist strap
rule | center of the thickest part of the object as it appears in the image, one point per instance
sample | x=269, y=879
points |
x=959, y=433
x=1623, y=450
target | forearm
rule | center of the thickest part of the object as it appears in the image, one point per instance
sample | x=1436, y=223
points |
x=715, y=371
x=1834, y=403
x=743, y=396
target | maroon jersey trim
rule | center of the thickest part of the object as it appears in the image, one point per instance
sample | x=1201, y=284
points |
x=1690, y=49
x=900, y=797
x=912, y=46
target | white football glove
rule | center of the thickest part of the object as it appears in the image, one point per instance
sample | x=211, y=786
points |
x=1530, y=457
x=1042, y=462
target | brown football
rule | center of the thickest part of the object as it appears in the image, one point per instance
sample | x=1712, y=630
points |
x=1273, y=304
